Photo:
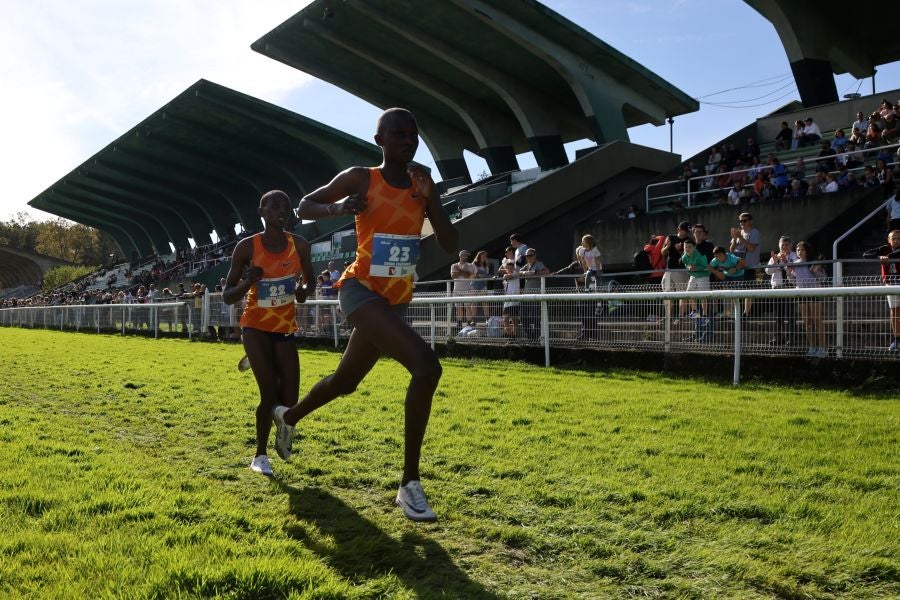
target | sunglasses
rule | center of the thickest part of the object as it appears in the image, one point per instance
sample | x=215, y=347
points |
x=529, y=255
x=744, y=220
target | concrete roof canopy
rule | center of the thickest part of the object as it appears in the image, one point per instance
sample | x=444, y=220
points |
x=493, y=77
x=816, y=39
x=200, y=163
x=18, y=267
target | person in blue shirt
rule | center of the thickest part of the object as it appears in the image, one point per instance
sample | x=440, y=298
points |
x=727, y=269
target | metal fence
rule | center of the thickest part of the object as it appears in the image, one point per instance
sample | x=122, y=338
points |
x=742, y=319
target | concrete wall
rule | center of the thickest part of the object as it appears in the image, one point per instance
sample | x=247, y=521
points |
x=834, y=115
x=800, y=219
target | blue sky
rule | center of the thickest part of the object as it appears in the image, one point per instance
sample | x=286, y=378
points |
x=77, y=74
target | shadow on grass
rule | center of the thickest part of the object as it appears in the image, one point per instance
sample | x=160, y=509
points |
x=359, y=550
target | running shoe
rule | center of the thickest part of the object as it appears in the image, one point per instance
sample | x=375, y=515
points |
x=411, y=498
x=260, y=464
x=284, y=433
x=244, y=364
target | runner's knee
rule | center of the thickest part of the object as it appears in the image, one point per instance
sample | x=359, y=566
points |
x=428, y=368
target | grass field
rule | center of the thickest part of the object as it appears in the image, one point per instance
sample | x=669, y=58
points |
x=125, y=476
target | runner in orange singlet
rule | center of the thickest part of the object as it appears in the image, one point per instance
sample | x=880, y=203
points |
x=390, y=203
x=273, y=260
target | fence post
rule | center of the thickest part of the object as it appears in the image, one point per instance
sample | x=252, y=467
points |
x=449, y=307
x=190, y=319
x=838, y=281
x=204, y=314
x=433, y=324
x=545, y=323
x=123, y=319
x=737, y=341
x=334, y=324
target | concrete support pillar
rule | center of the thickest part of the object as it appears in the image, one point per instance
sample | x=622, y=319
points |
x=815, y=81
x=548, y=151
x=500, y=159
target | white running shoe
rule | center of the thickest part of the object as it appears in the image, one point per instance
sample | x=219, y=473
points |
x=260, y=464
x=284, y=433
x=244, y=364
x=411, y=498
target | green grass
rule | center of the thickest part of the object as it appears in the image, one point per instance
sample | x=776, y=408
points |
x=125, y=477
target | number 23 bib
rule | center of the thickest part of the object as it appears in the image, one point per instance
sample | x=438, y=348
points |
x=394, y=255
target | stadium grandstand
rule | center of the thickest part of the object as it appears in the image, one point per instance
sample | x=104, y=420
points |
x=499, y=79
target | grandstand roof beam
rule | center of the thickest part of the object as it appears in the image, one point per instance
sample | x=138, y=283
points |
x=539, y=127
x=127, y=181
x=136, y=240
x=492, y=130
x=82, y=202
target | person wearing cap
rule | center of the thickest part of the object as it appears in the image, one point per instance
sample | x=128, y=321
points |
x=462, y=273
x=676, y=277
x=532, y=272
x=745, y=243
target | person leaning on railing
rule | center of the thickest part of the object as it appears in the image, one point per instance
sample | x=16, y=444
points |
x=531, y=311
x=889, y=256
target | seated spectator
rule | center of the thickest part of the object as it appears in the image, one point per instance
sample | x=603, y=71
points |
x=754, y=169
x=885, y=176
x=797, y=189
x=723, y=180
x=811, y=133
x=738, y=174
x=852, y=181
x=869, y=179
x=731, y=156
x=734, y=195
x=715, y=158
x=799, y=168
x=818, y=187
x=783, y=139
x=779, y=174
x=891, y=131
x=858, y=136
x=885, y=109
x=799, y=127
x=751, y=150
x=826, y=160
x=873, y=132
x=861, y=123
x=839, y=143
x=831, y=185
x=853, y=159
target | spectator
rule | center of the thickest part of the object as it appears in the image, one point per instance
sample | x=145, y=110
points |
x=515, y=240
x=807, y=276
x=869, y=178
x=751, y=150
x=714, y=160
x=745, y=243
x=738, y=174
x=731, y=156
x=860, y=125
x=462, y=273
x=811, y=133
x=799, y=127
x=479, y=283
x=783, y=139
x=588, y=256
x=826, y=158
x=831, y=185
x=696, y=264
x=885, y=109
x=333, y=273
x=893, y=210
x=532, y=272
x=727, y=269
x=858, y=136
x=734, y=195
x=783, y=307
x=779, y=175
x=797, y=189
x=820, y=183
x=511, y=287
x=839, y=143
x=889, y=256
x=885, y=177
x=704, y=246
x=891, y=130
x=675, y=278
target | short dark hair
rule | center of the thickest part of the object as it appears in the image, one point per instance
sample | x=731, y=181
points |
x=390, y=114
x=273, y=195
x=720, y=250
x=515, y=237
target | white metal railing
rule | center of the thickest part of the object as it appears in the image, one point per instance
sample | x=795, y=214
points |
x=689, y=193
x=620, y=320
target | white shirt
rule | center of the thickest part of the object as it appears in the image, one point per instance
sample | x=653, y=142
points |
x=778, y=272
x=831, y=187
x=811, y=128
x=862, y=125
x=894, y=207
x=520, y=254
x=591, y=257
x=463, y=282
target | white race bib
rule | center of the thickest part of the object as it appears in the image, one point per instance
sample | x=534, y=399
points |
x=394, y=255
x=275, y=291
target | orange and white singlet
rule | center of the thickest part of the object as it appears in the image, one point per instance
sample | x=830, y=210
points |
x=387, y=245
x=270, y=301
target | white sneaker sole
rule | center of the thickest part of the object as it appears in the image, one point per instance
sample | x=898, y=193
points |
x=412, y=515
x=282, y=429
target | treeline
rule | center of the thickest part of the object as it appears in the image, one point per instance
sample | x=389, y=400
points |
x=58, y=238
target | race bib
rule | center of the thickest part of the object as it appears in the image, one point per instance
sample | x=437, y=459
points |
x=394, y=255
x=276, y=291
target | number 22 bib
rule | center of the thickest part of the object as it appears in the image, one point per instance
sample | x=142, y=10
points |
x=275, y=291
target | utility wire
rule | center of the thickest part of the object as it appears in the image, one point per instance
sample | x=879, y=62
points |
x=775, y=91
x=761, y=83
x=751, y=105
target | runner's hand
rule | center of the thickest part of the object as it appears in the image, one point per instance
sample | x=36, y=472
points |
x=302, y=293
x=254, y=274
x=351, y=205
x=423, y=184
